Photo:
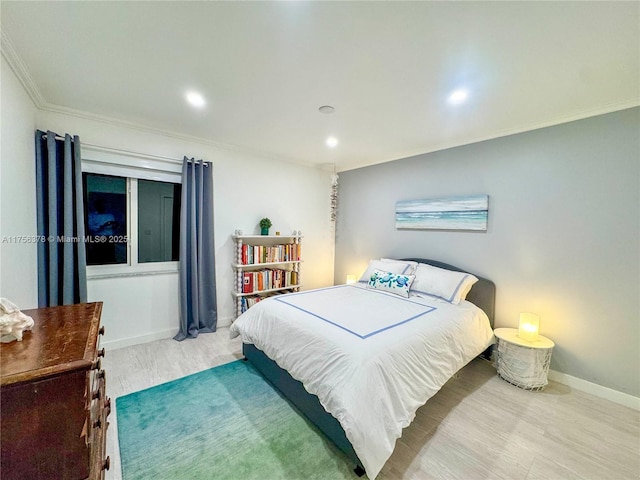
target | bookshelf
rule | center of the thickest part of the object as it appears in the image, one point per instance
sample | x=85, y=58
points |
x=265, y=265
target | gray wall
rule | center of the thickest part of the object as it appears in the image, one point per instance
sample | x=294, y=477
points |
x=563, y=239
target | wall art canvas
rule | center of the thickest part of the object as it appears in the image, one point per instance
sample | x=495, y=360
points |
x=444, y=213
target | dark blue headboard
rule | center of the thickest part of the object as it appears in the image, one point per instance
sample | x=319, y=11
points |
x=482, y=294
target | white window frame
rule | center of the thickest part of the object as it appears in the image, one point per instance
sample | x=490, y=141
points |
x=134, y=167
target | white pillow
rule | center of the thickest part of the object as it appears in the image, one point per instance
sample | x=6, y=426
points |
x=412, y=265
x=445, y=284
x=391, y=282
x=395, y=266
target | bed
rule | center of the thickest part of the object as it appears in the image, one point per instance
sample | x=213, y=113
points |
x=359, y=361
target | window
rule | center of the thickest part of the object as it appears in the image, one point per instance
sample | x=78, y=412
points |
x=105, y=219
x=132, y=212
x=130, y=223
x=158, y=221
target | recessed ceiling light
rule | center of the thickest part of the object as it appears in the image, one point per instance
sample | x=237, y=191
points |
x=326, y=109
x=332, y=142
x=195, y=99
x=458, y=96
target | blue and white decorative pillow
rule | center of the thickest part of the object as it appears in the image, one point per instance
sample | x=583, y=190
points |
x=391, y=282
x=388, y=265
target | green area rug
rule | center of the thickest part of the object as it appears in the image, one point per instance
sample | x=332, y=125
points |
x=224, y=423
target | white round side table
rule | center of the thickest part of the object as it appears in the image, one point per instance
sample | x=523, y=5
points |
x=523, y=363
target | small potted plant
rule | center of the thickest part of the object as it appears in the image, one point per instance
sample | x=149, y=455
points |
x=265, y=225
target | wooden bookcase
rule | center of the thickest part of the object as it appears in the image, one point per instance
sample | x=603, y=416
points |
x=265, y=265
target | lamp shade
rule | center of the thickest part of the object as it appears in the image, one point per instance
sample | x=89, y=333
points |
x=351, y=279
x=529, y=327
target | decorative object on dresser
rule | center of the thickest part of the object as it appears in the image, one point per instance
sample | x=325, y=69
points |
x=522, y=362
x=54, y=407
x=13, y=322
x=265, y=265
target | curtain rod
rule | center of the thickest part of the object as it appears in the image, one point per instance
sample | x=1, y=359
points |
x=193, y=160
x=126, y=152
x=57, y=137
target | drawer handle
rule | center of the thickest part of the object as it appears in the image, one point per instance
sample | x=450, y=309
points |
x=101, y=352
x=97, y=365
x=96, y=395
x=101, y=331
x=102, y=374
x=107, y=405
x=106, y=464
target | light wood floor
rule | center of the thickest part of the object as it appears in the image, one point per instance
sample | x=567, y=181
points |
x=476, y=427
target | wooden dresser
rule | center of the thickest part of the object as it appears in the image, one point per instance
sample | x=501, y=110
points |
x=53, y=407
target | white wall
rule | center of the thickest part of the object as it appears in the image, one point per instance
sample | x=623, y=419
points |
x=246, y=188
x=18, y=265
x=563, y=239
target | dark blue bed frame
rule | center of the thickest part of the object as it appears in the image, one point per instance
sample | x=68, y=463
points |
x=482, y=294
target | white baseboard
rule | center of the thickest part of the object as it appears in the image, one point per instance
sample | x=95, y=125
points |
x=225, y=321
x=127, y=342
x=596, y=390
x=161, y=335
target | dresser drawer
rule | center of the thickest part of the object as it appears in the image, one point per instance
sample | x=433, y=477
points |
x=96, y=378
x=99, y=462
x=96, y=372
x=42, y=429
x=99, y=408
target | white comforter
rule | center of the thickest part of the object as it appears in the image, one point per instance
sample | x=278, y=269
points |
x=372, y=358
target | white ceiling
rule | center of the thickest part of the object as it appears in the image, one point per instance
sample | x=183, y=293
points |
x=387, y=68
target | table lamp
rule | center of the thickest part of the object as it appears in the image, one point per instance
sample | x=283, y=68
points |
x=529, y=327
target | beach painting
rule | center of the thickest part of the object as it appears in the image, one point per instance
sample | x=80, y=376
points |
x=444, y=213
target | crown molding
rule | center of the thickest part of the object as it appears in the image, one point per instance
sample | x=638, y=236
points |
x=48, y=107
x=19, y=68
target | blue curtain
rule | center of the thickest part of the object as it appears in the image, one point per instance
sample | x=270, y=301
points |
x=198, y=304
x=62, y=274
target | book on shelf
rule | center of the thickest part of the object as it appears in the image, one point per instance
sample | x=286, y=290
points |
x=247, y=282
x=268, y=279
x=249, y=301
x=256, y=254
